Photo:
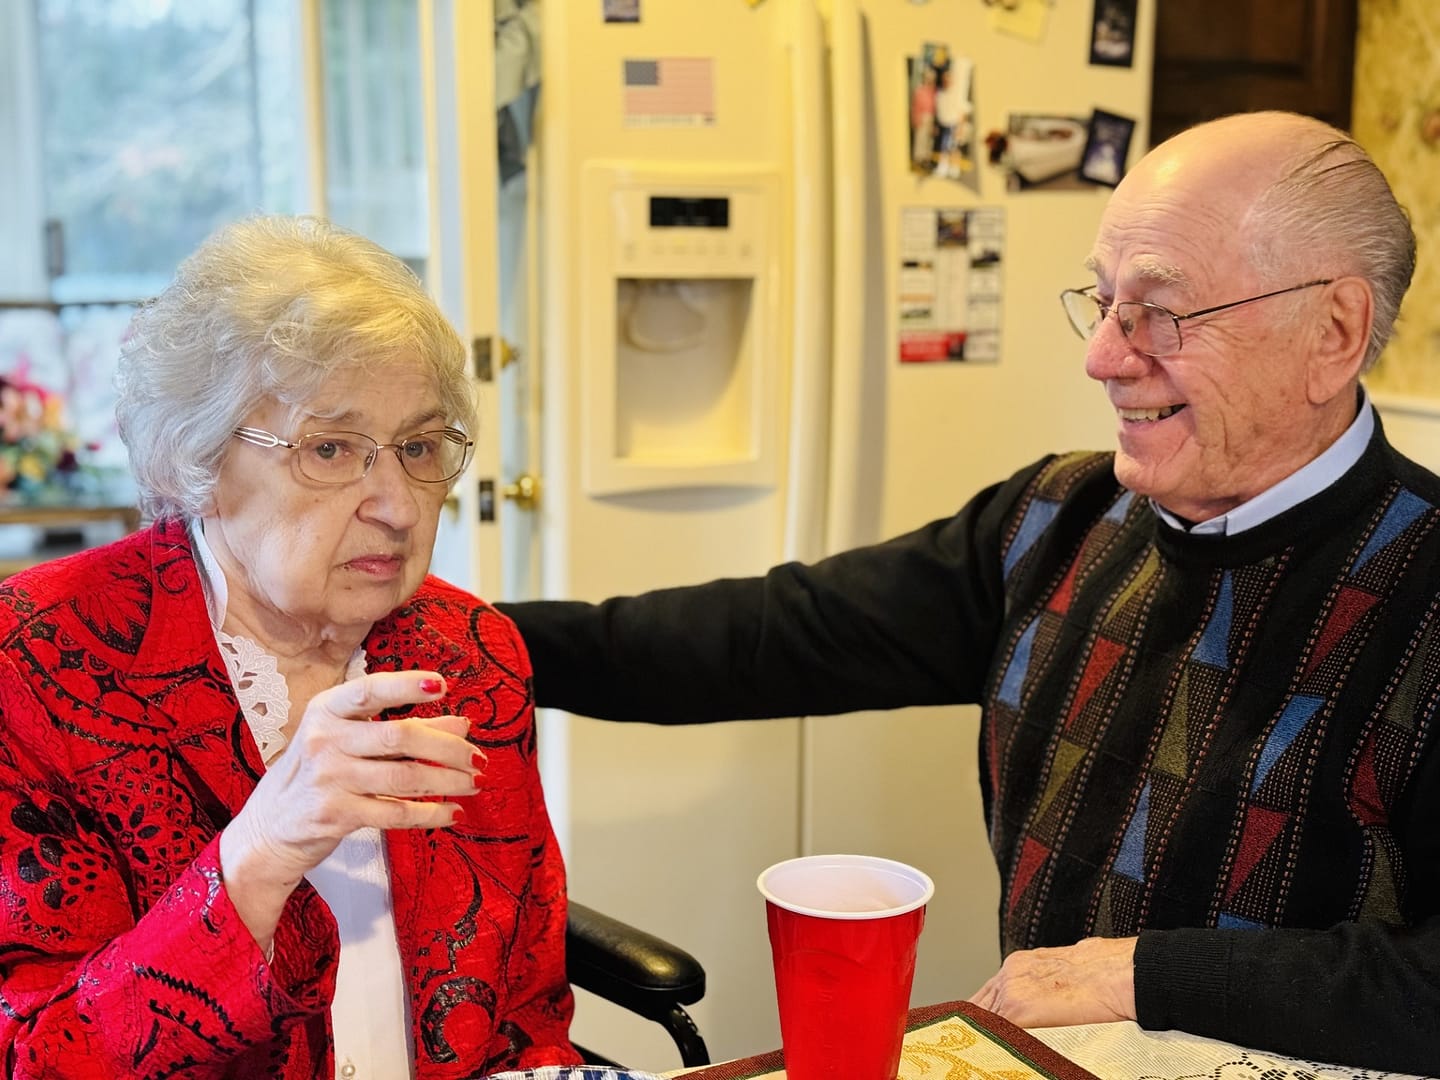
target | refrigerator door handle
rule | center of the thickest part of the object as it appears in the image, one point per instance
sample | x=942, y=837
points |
x=806, y=480
x=843, y=528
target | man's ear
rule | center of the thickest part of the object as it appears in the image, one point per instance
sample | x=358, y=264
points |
x=1339, y=347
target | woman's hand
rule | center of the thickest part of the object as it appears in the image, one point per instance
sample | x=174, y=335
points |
x=344, y=771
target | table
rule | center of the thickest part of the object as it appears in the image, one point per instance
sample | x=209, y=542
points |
x=960, y=1041
x=50, y=516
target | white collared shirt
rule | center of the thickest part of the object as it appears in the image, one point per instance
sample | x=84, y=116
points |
x=1311, y=479
x=371, y=1009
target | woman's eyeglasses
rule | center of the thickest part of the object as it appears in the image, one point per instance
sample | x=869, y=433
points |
x=342, y=457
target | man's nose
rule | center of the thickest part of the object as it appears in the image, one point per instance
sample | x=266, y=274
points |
x=1109, y=354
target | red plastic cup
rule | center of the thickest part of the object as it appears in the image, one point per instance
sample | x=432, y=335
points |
x=843, y=934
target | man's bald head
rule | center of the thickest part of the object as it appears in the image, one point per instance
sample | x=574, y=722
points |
x=1303, y=198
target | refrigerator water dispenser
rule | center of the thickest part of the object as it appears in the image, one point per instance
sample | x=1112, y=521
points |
x=680, y=326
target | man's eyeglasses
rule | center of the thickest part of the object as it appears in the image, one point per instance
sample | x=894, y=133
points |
x=1152, y=330
x=342, y=457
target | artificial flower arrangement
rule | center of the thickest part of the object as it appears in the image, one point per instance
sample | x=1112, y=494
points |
x=39, y=456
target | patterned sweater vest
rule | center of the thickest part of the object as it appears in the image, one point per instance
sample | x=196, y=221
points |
x=1210, y=731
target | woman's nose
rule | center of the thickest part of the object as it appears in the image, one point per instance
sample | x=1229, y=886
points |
x=392, y=496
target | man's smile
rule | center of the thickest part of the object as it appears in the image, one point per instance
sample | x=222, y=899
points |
x=1149, y=414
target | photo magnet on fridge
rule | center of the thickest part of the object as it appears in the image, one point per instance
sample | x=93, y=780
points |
x=1040, y=152
x=1107, y=148
x=940, y=88
x=621, y=11
x=1112, y=33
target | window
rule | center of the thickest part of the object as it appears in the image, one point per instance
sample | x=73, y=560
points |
x=375, y=179
x=143, y=125
x=160, y=120
x=137, y=127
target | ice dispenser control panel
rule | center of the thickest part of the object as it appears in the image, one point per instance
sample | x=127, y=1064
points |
x=664, y=233
x=689, y=212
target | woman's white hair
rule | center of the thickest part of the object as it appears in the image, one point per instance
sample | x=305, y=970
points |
x=1333, y=213
x=268, y=307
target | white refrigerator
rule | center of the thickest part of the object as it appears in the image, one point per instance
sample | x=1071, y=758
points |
x=787, y=303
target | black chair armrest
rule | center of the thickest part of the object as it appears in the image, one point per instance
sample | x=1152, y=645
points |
x=637, y=971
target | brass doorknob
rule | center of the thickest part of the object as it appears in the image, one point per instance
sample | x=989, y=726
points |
x=524, y=491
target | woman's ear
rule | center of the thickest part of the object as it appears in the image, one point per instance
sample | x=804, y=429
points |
x=1344, y=336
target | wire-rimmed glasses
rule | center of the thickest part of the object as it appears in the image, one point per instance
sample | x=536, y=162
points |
x=342, y=457
x=1151, y=329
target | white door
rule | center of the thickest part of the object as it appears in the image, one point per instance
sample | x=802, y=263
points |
x=480, y=236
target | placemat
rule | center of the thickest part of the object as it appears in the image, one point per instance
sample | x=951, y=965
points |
x=941, y=1041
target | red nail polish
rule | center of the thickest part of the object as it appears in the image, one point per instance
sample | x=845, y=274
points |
x=478, y=779
x=432, y=686
x=478, y=760
x=458, y=816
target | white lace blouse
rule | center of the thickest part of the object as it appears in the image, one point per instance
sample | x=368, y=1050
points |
x=371, y=1010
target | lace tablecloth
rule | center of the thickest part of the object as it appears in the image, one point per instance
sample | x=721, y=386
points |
x=1126, y=1051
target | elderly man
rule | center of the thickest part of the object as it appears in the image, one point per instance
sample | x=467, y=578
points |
x=1209, y=663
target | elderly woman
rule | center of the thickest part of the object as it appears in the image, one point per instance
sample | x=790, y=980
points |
x=269, y=804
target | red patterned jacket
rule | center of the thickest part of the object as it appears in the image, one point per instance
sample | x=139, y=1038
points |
x=124, y=752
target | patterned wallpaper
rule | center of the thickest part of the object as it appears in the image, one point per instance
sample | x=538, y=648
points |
x=1397, y=118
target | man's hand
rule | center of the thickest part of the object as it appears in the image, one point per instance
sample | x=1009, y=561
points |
x=1090, y=982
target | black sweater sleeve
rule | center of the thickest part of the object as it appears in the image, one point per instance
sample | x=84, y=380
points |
x=1363, y=994
x=911, y=621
